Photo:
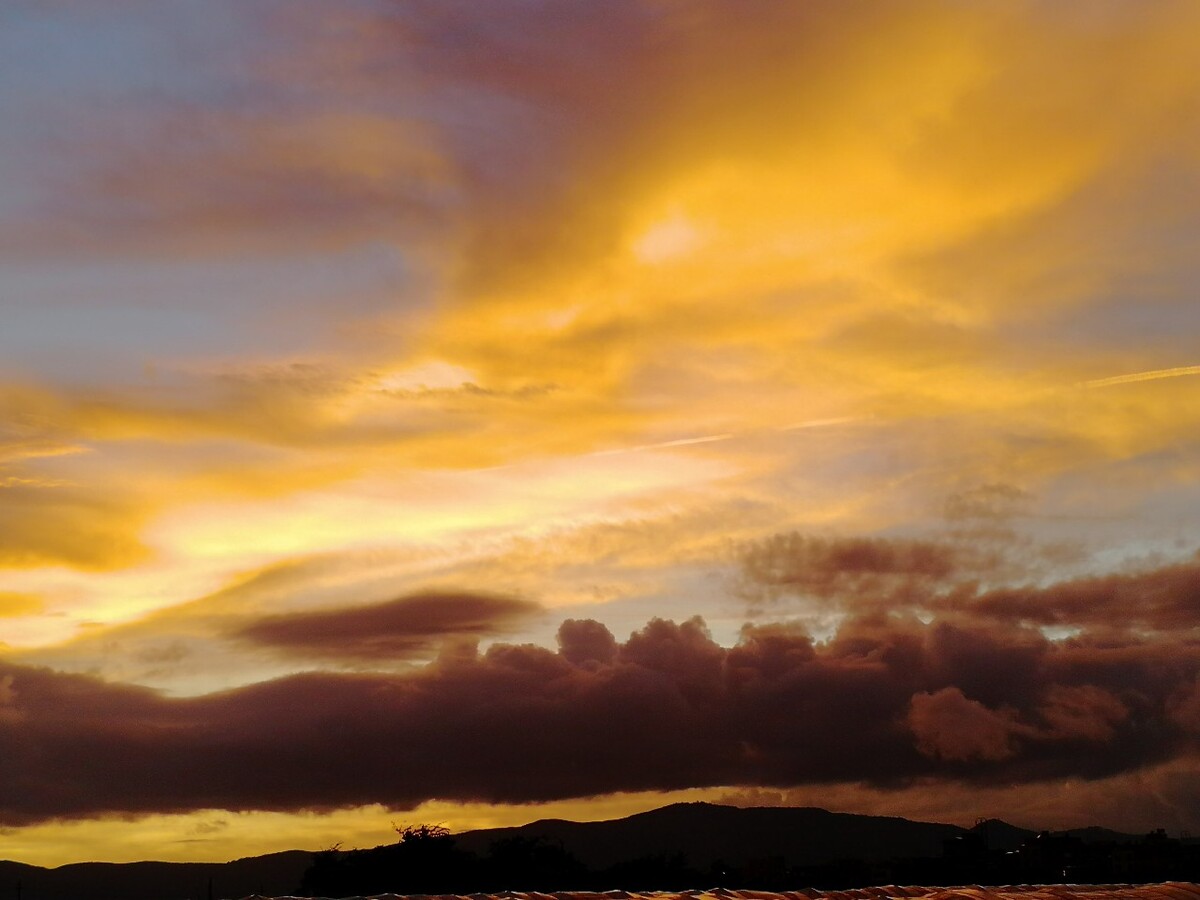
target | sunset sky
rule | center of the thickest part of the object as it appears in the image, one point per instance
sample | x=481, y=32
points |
x=470, y=412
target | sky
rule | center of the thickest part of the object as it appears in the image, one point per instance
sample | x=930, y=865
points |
x=468, y=413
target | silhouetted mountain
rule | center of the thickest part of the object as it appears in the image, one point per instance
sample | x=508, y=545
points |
x=271, y=875
x=686, y=845
x=1000, y=835
x=704, y=832
x=997, y=834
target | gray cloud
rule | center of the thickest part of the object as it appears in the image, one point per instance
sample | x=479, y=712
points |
x=396, y=629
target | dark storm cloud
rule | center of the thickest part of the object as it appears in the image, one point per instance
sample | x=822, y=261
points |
x=1164, y=599
x=395, y=629
x=949, y=577
x=885, y=703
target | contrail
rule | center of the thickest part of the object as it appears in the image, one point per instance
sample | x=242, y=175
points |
x=1176, y=372
x=819, y=423
x=727, y=436
x=703, y=439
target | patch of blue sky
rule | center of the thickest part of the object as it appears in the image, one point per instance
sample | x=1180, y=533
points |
x=57, y=51
x=59, y=61
x=66, y=321
x=72, y=69
x=1154, y=311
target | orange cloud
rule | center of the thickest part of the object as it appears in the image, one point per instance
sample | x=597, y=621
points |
x=14, y=604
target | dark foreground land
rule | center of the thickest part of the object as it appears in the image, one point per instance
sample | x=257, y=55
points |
x=1166, y=891
x=674, y=849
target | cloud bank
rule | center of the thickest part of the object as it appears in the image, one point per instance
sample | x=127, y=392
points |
x=885, y=703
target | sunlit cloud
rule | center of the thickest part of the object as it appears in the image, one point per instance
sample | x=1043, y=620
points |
x=14, y=604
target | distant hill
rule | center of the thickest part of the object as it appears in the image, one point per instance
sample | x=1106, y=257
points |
x=272, y=875
x=702, y=832
x=997, y=834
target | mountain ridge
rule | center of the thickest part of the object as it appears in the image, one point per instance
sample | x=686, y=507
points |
x=699, y=835
x=800, y=835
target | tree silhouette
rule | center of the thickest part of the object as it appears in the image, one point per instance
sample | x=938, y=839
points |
x=423, y=861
